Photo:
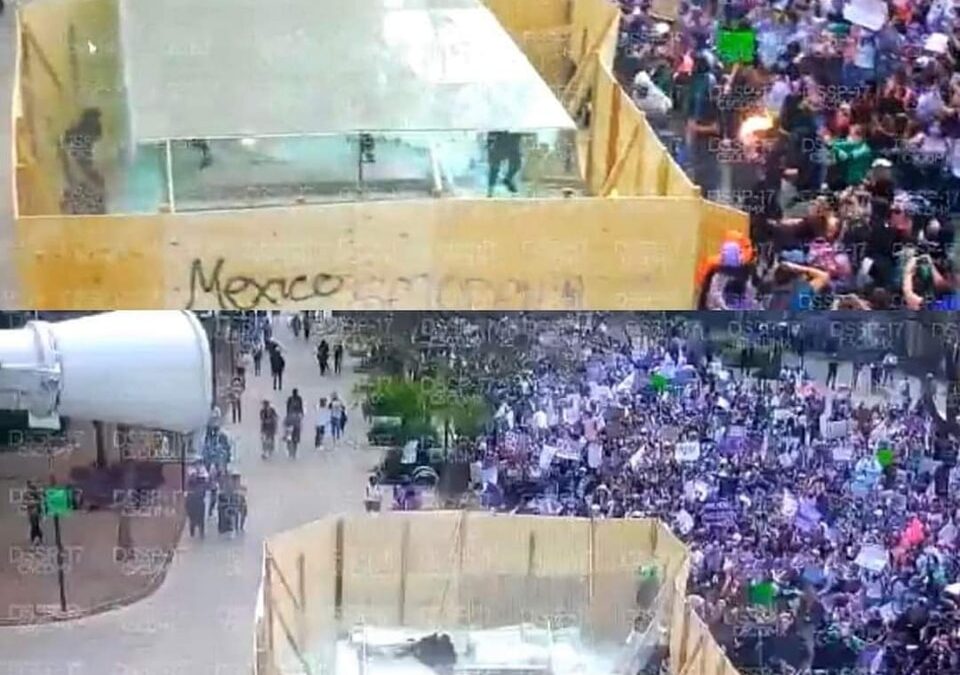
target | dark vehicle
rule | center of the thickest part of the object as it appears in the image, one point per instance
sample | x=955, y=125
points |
x=424, y=470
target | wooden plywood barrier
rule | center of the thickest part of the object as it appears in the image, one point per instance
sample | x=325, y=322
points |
x=458, y=254
x=68, y=60
x=592, y=22
x=718, y=220
x=458, y=568
x=530, y=15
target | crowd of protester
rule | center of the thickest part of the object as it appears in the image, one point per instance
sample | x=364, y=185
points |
x=836, y=494
x=851, y=172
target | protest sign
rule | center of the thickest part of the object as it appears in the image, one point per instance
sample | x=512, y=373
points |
x=843, y=453
x=684, y=522
x=866, y=476
x=836, y=429
x=873, y=557
x=763, y=593
x=808, y=515
x=594, y=455
x=737, y=431
x=885, y=457
x=659, y=383
x=540, y=420
x=789, y=505
x=871, y=14
x=688, y=451
x=788, y=459
x=547, y=453
x=718, y=513
x=599, y=393
x=696, y=490
x=938, y=43
x=665, y=9
x=568, y=450
x=627, y=384
x=490, y=475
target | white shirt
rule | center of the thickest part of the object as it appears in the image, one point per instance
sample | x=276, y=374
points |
x=323, y=415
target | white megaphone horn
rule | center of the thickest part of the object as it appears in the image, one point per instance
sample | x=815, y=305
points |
x=142, y=368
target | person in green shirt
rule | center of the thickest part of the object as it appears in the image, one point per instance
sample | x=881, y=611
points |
x=854, y=156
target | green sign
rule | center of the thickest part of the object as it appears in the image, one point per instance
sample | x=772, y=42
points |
x=659, y=383
x=763, y=593
x=736, y=46
x=885, y=457
x=57, y=501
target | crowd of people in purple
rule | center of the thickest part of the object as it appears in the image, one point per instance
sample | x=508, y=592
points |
x=851, y=176
x=840, y=498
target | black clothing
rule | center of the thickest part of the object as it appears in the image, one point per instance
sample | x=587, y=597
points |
x=502, y=147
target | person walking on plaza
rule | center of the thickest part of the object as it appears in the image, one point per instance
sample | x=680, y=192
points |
x=226, y=514
x=33, y=500
x=876, y=376
x=337, y=358
x=268, y=429
x=323, y=357
x=238, y=503
x=857, y=368
x=235, y=395
x=832, y=367
x=323, y=421
x=257, y=357
x=373, y=498
x=889, y=367
x=293, y=422
x=277, y=364
x=338, y=417
x=196, y=507
x=244, y=364
x=307, y=320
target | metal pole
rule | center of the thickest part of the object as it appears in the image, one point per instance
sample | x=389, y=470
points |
x=60, y=562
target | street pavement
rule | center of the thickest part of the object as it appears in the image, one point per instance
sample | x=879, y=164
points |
x=8, y=298
x=200, y=621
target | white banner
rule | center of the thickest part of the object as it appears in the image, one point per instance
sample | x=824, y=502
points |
x=873, y=557
x=688, y=451
x=837, y=429
x=870, y=14
x=568, y=450
x=547, y=453
x=844, y=453
x=594, y=455
x=781, y=414
x=789, y=506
